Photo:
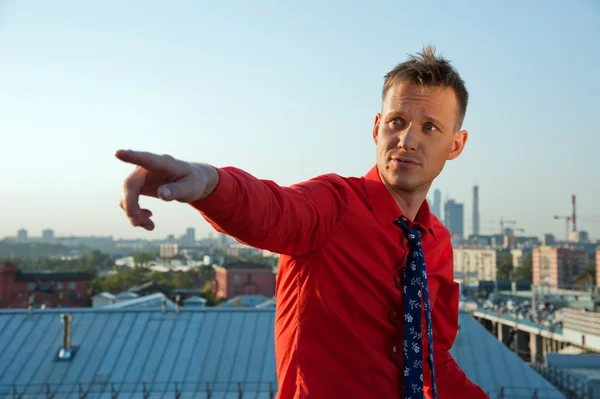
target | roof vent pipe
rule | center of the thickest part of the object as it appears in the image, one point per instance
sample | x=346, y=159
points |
x=65, y=352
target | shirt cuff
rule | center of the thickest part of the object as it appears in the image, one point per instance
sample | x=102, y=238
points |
x=226, y=188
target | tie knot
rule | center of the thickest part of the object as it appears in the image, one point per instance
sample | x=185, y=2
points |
x=414, y=236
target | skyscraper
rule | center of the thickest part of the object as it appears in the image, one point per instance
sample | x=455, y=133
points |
x=476, y=210
x=454, y=218
x=47, y=235
x=190, y=236
x=22, y=235
x=437, y=203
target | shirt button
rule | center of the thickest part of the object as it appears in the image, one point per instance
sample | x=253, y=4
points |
x=404, y=219
x=394, y=348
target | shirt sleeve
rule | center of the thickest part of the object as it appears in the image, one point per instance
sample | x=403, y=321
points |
x=286, y=220
x=452, y=382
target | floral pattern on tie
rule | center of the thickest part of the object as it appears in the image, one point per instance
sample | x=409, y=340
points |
x=415, y=281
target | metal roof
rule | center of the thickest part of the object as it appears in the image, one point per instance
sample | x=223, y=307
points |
x=51, y=276
x=245, y=301
x=494, y=367
x=105, y=294
x=147, y=301
x=246, y=265
x=194, y=301
x=199, y=349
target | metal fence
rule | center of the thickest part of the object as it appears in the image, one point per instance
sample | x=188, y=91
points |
x=573, y=387
x=527, y=393
x=143, y=390
x=234, y=390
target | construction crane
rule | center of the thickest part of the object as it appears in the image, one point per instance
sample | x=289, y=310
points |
x=511, y=239
x=504, y=222
x=567, y=220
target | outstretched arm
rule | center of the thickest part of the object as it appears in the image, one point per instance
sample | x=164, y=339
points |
x=288, y=220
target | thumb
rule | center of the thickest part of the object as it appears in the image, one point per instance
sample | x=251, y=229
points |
x=165, y=192
x=182, y=191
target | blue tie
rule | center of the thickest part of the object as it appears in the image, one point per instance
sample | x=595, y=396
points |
x=415, y=282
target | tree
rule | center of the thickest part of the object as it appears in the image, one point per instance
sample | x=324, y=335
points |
x=588, y=276
x=143, y=258
x=504, y=270
x=183, y=280
x=207, y=293
x=98, y=260
x=525, y=271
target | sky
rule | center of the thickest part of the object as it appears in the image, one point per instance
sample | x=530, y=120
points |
x=288, y=91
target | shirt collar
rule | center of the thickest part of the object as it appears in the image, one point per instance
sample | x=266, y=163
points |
x=385, y=207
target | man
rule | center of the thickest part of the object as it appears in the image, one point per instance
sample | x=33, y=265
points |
x=365, y=287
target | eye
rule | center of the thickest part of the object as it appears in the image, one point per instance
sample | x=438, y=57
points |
x=430, y=127
x=397, y=122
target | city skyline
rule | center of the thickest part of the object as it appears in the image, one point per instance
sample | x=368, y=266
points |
x=486, y=226
x=492, y=227
x=259, y=91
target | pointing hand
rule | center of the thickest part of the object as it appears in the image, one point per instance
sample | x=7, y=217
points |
x=163, y=177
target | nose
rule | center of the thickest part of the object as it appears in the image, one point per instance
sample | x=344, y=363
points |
x=408, y=139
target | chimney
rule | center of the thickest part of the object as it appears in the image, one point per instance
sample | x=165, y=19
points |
x=164, y=305
x=177, y=303
x=30, y=303
x=475, y=210
x=573, y=218
x=65, y=350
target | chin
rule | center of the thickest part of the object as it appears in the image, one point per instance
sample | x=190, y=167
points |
x=405, y=183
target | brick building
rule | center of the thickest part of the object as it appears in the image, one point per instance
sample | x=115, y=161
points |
x=557, y=266
x=19, y=290
x=243, y=278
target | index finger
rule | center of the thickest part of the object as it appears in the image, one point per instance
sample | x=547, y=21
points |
x=146, y=160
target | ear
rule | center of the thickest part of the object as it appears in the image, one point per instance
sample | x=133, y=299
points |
x=459, y=140
x=376, y=127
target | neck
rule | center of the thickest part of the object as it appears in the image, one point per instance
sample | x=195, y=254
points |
x=408, y=202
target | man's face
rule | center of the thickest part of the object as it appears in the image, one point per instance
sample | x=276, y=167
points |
x=415, y=134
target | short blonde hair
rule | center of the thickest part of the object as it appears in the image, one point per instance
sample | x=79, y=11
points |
x=428, y=69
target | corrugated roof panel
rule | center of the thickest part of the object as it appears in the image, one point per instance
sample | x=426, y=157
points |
x=239, y=368
x=216, y=346
x=112, y=345
x=35, y=371
x=230, y=348
x=129, y=347
x=4, y=319
x=102, y=343
x=185, y=354
x=49, y=348
x=268, y=374
x=159, y=349
x=59, y=370
x=491, y=365
x=261, y=346
x=142, y=354
x=172, y=348
x=11, y=326
x=221, y=347
x=85, y=337
x=199, y=350
x=23, y=352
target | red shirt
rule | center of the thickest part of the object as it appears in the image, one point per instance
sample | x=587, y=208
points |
x=339, y=311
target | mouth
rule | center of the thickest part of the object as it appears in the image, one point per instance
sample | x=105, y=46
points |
x=401, y=161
